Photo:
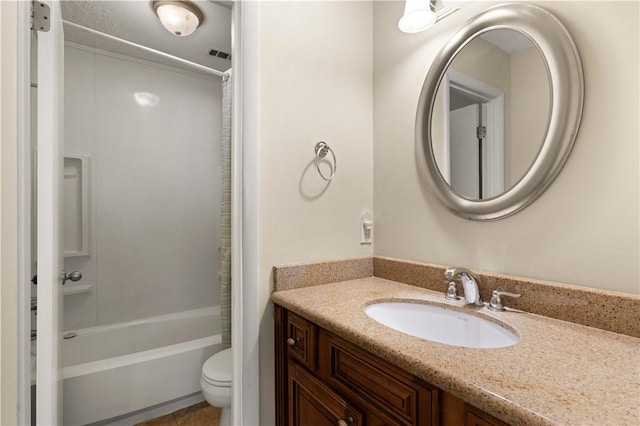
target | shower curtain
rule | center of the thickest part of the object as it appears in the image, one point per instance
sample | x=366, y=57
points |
x=224, y=274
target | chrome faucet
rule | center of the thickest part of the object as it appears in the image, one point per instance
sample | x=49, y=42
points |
x=469, y=284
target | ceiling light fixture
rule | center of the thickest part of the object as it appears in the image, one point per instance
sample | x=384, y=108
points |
x=179, y=17
x=417, y=17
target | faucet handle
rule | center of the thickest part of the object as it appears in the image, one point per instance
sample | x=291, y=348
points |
x=452, y=292
x=496, y=303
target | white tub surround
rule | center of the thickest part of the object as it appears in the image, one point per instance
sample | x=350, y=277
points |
x=154, y=189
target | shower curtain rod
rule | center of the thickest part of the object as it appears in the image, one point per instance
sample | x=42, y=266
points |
x=148, y=49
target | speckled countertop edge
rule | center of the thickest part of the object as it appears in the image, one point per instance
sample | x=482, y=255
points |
x=559, y=373
x=288, y=277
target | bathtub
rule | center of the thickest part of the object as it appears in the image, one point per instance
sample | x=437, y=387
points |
x=114, y=370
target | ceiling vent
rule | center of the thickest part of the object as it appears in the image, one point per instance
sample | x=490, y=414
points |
x=220, y=54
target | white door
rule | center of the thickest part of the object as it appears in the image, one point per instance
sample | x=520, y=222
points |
x=463, y=150
x=49, y=254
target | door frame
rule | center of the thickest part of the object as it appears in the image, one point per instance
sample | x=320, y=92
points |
x=24, y=213
x=245, y=284
x=245, y=306
x=493, y=98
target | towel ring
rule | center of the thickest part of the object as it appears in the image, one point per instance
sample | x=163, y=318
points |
x=321, y=150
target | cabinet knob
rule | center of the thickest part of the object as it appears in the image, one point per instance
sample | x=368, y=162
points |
x=345, y=423
x=292, y=342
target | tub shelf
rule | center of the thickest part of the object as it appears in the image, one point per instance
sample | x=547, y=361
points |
x=76, y=200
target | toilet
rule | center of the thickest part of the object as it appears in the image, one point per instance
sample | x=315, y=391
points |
x=216, y=383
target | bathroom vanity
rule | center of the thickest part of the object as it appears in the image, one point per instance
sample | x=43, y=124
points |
x=336, y=365
x=325, y=379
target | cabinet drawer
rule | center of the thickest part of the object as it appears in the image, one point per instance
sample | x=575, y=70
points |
x=357, y=374
x=301, y=340
x=312, y=403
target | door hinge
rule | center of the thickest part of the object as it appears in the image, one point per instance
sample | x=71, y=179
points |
x=40, y=16
x=481, y=132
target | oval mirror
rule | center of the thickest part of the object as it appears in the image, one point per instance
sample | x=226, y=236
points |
x=499, y=111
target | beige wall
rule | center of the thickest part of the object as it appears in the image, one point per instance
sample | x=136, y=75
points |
x=8, y=212
x=496, y=64
x=529, y=94
x=584, y=229
x=315, y=84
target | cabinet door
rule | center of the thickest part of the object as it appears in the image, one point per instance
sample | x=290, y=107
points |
x=375, y=385
x=313, y=404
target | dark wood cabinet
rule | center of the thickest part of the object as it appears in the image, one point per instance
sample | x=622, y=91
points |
x=301, y=340
x=322, y=379
x=394, y=396
x=311, y=403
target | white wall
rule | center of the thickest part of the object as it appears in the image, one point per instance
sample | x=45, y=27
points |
x=155, y=187
x=584, y=229
x=315, y=84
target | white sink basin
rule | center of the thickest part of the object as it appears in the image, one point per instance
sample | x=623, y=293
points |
x=442, y=325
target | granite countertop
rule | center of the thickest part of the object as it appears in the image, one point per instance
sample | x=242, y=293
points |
x=559, y=372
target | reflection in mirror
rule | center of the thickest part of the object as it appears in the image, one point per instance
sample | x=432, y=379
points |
x=491, y=114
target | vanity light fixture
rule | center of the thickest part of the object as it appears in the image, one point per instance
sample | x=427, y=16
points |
x=179, y=17
x=420, y=15
x=417, y=17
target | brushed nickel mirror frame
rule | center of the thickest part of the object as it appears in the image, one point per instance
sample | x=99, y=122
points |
x=564, y=70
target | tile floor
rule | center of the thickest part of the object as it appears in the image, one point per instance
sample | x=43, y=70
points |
x=201, y=414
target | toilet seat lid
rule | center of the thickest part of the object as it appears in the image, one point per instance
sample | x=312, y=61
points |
x=218, y=368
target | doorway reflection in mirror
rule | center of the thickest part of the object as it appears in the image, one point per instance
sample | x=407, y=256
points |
x=491, y=114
